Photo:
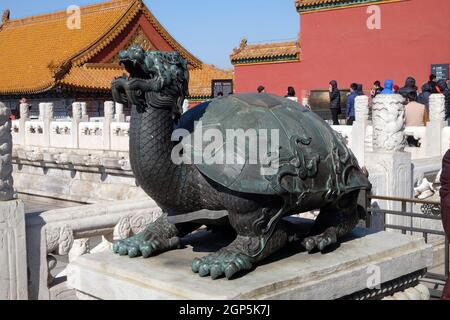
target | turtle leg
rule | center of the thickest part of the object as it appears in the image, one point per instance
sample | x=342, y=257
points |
x=334, y=221
x=247, y=250
x=158, y=237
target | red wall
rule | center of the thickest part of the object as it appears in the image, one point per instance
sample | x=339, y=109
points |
x=338, y=45
x=274, y=77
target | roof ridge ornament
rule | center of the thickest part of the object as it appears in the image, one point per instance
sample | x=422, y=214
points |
x=5, y=16
x=243, y=44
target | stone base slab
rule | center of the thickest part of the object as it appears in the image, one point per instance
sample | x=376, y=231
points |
x=288, y=275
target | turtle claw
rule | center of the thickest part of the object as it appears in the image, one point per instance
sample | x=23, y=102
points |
x=222, y=264
x=196, y=265
x=322, y=241
x=145, y=244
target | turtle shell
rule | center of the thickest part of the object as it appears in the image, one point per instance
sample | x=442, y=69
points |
x=294, y=152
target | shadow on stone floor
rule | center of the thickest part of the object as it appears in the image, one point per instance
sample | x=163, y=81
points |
x=210, y=242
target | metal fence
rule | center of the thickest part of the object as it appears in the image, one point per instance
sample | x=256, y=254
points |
x=430, y=210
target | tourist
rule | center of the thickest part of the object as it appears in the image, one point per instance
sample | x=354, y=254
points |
x=13, y=115
x=415, y=113
x=291, y=94
x=350, y=104
x=395, y=89
x=335, y=102
x=424, y=97
x=410, y=86
x=433, y=84
x=360, y=90
x=388, y=85
x=445, y=208
x=377, y=89
x=261, y=89
x=443, y=88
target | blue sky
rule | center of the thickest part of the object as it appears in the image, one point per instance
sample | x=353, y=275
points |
x=210, y=29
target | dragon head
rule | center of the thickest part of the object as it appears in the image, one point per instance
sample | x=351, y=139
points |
x=157, y=79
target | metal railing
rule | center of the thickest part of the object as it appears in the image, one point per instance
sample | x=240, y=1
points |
x=431, y=210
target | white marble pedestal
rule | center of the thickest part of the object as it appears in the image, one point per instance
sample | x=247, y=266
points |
x=289, y=275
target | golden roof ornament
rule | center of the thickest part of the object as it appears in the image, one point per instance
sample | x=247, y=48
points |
x=244, y=43
x=5, y=16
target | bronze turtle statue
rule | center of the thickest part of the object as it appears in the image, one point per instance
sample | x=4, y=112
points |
x=305, y=166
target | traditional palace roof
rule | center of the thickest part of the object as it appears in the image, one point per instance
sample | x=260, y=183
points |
x=319, y=5
x=265, y=53
x=41, y=53
x=200, y=85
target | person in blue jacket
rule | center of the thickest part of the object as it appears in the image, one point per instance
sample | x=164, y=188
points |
x=388, y=85
x=351, y=103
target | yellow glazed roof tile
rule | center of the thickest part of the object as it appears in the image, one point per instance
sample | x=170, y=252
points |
x=34, y=49
x=279, y=50
x=99, y=77
x=40, y=52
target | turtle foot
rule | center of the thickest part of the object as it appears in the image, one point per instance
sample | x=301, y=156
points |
x=321, y=241
x=226, y=262
x=146, y=245
x=157, y=238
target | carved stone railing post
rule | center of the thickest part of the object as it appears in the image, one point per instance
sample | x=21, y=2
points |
x=24, y=117
x=13, y=256
x=84, y=115
x=359, y=128
x=109, y=117
x=77, y=116
x=388, y=117
x=389, y=157
x=435, y=126
x=41, y=110
x=48, y=112
x=120, y=116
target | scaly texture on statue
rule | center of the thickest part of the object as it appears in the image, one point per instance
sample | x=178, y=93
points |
x=437, y=107
x=316, y=170
x=6, y=179
x=388, y=116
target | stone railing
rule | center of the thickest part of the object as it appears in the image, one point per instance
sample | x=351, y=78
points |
x=67, y=232
x=79, y=159
x=108, y=133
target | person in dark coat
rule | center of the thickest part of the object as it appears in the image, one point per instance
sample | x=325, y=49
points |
x=410, y=86
x=335, y=102
x=442, y=85
x=424, y=97
x=350, y=104
x=445, y=207
x=433, y=84
x=359, y=90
